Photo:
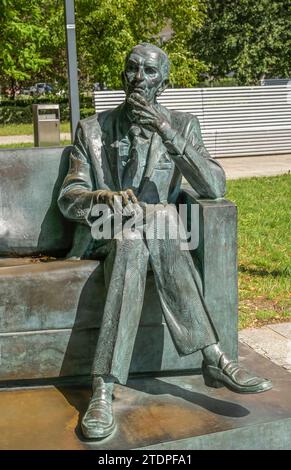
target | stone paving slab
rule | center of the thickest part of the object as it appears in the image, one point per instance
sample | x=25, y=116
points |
x=283, y=329
x=26, y=139
x=272, y=341
x=267, y=165
x=247, y=167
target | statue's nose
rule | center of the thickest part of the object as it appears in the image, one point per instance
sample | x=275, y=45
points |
x=139, y=74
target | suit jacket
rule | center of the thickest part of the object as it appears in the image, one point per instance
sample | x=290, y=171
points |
x=94, y=164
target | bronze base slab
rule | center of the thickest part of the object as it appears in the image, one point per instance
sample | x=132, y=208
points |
x=154, y=413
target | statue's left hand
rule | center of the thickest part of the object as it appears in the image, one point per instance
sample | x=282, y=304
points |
x=148, y=115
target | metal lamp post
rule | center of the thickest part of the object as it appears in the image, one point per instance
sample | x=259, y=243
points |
x=72, y=64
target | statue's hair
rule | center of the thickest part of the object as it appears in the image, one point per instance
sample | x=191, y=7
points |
x=165, y=60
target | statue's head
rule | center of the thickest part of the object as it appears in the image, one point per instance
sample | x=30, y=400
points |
x=146, y=71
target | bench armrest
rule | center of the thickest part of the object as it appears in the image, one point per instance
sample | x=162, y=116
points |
x=217, y=254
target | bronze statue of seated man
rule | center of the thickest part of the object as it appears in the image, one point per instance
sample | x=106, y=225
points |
x=139, y=152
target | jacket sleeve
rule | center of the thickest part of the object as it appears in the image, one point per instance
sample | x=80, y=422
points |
x=76, y=197
x=204, y=174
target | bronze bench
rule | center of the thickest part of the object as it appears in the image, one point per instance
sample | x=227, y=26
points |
x=48, y=315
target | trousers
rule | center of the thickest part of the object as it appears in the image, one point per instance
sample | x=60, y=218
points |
x=181, y=298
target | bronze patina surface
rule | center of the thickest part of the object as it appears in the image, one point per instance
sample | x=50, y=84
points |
x=159, y=413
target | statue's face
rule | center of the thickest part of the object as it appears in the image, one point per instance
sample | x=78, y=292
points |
x=144, y=73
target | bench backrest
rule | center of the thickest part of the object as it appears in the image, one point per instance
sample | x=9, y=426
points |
x=30, y=221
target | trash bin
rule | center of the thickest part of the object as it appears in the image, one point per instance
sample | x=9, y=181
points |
x=46, y=124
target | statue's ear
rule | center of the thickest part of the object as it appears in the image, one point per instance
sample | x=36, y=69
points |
x=162, y=87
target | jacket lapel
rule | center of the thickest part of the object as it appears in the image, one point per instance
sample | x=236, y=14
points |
x=100, y=168
x=111, y=145
x=111, y=148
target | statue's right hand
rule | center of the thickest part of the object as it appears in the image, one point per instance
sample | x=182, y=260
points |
x=107, y=197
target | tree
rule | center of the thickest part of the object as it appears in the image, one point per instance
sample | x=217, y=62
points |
x=53, y=48
x=106, y=32
x=21, y=37
x=249, y=38
x=32, y=38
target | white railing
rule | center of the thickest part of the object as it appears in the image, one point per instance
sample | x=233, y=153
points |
x=235, y=121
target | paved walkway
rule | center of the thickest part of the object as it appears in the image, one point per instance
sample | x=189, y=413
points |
x=26, y=139
x=272, y=341
x=244, y=167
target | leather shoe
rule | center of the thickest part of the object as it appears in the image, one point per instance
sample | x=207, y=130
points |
x=232, y=375
x=98, y=421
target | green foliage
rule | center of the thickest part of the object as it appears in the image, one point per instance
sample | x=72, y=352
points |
x=53, y=49
x=32, y=39
x=107, y=32
x=220, y=82
x=21, y=38
x=23, y=115
x=15, y=115
x=249, y=38
x=19, y=111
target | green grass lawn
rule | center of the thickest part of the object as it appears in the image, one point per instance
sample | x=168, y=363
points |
x=264, y=246
x=26, y=129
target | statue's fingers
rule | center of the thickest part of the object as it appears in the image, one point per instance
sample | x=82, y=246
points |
x=100, y=195
x=117, y=202
x=97, y=196
x=110, y=200
x=139, y=98
x=137, y=104
x=146, y=114
x=132, y=195
x=132, y=100
x=143, y=115
x=124, y=198
x=146, y=122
